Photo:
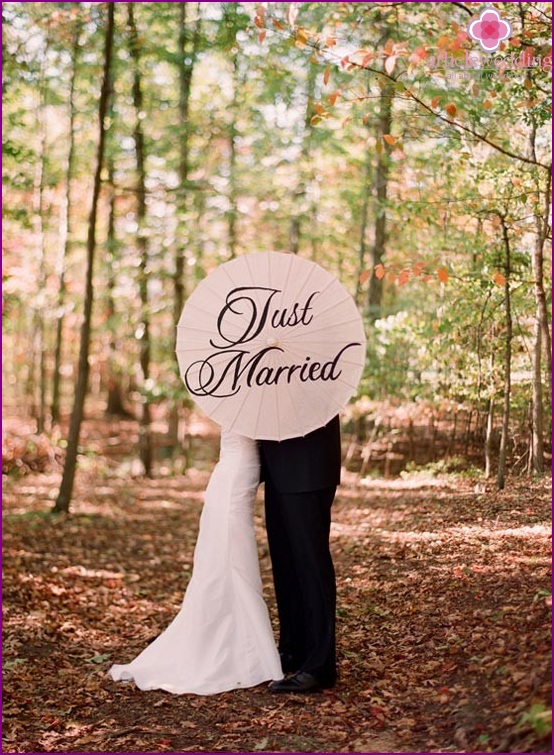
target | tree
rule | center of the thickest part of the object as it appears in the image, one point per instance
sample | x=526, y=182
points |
x=66, y=488
x=187, y=51
x=66, y=229
x=145, y=440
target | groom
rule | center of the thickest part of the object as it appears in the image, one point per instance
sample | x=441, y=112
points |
x=301, y=477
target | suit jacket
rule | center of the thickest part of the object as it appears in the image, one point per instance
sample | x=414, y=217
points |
x=310, y=462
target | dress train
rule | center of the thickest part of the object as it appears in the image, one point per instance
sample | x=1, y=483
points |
x=221, y=639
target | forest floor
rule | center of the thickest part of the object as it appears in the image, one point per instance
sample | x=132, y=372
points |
x=444, y=600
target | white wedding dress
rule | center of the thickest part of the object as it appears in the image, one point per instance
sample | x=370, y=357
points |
x=221, y=639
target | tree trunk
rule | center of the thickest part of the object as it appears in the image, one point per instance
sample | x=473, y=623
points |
x=145, y=440
x=232, y=213
x=305, y=174
x=66, y=488
x=186, y=60
x=114, y=405
x=541, y=330
x=488, y=439
x=39, y=345
x=541, y=337
x=66, y=231
x=363, y=225
x=230, y=14
x=501, y=473
x=384, y=125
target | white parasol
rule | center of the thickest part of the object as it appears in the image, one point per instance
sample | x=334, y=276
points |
x=270, y=345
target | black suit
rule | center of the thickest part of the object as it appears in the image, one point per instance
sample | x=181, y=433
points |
x=301, y=476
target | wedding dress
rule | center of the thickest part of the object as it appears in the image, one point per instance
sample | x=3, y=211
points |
x=221, y=639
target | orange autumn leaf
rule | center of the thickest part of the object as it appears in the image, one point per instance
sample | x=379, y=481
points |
x=326, y=75
x=389, y=138
x=259, y=22
x=442, y=275
x=262, y=35
x=379, y=272
x=403, y=277
x=278, y=25
x=499, y=279
x=364, y=276
x=435, y=101
x=301, y=38
x=451, y=110
x=330, y=41
x=332, y=98
x=367, y=59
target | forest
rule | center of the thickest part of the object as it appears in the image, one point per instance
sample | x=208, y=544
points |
x=144, y=145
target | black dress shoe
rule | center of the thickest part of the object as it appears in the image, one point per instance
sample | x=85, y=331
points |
x=300, y=682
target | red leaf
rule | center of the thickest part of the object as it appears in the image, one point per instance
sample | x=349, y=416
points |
x=403, y=277
x=367, y=59
x=379, y=272
x=442, y=274
x=451, y=110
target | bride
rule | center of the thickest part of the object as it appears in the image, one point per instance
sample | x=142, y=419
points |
x=221, y=639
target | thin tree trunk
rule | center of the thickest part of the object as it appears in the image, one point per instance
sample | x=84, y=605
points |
x=230, y=13
x=66, y=231
x=39, y=213
x=186, y=62
x=541, y=330
x=488, y=439
x=363, y=225
x=384, y=125
x=64, y=496
x=114, y=403
x=145, y=440
x=305, y=174
x=366, y=196
x=501, y=473
x=232, y=213
x=541, y=337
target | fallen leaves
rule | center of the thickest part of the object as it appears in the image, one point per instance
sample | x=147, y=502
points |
x=443, y=633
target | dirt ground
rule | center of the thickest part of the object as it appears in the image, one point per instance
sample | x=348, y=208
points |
x=444, y=599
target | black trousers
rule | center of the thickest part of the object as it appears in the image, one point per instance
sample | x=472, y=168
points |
x=298, y=527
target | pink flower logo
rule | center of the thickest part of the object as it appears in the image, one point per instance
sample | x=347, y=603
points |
x=489, y=30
